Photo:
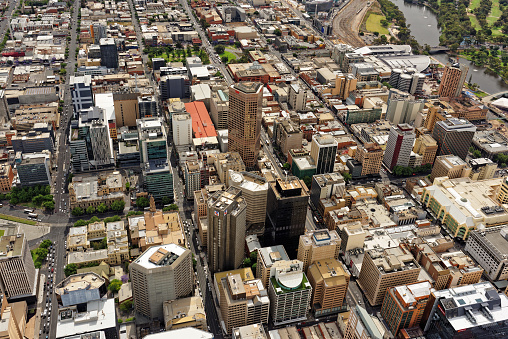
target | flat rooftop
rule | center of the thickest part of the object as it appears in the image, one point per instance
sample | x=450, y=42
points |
x=84, y=281
x=156, y=256
x=11, y=245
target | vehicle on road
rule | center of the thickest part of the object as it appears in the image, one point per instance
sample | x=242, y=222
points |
x=29, y=210
x=33, y=215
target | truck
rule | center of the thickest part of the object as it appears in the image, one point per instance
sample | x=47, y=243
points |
x=32, y=215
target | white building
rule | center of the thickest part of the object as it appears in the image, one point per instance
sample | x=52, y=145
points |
x=399, y=146
x=402, y=107
x=297, y=98
x=182, y=128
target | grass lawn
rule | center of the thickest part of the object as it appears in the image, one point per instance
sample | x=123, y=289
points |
x=2, y=233
x=373, y=24
x=473, y=4
x=494, y=14
x=231, y=56
x=480, y=94
x=16, y=219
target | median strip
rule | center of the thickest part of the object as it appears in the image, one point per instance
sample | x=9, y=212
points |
x=16, y=219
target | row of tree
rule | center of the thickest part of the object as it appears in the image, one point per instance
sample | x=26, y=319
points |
x=406, y=171
x=393, y=13
x=117, y=205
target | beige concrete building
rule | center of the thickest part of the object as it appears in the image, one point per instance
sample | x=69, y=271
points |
x=14, y=317
x=126, y=109
x=329, y=284
x=385, y=268
x=452, y=80
x=267, y=256
x=185, y=312
x=502, y=194
x=287, y=135
x=17, y=277
x=96, y=231
x=161, y=273
x=344, y=84
x=244, y=120
x=118, y=243
x=224, y=162
x=450, y=166
x=318, y=245
x=371, y=157
x=426, y=146
x=482, y=168
x=360, y=325
x=255, y=331
x=86, y=191
x=77, y=239
x=72, y=287
x=255, y=192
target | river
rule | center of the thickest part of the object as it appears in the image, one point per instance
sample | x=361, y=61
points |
x=423, y=25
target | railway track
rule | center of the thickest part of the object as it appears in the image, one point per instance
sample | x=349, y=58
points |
x=347, y=22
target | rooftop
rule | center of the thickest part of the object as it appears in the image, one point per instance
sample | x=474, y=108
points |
x=157, y=256
x=99, y=315
x=11, y=245
x=247, y=87
x=271, y=254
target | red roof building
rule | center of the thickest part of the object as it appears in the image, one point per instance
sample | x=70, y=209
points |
x=202, y=125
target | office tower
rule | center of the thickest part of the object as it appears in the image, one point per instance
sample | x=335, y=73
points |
x=267, y=256
x=403, y=305
x=318, y=245
x=224, y=162
x=324, y=186
x=32, y=142
x=34, y=169
x=426, y=146
x=109, y=53
x=173, y=86
x=79, y=155
x=345, y=83
x=482, y=168
x=290, y=292
x=101, y=143
x=226, y=230
x=329, y=284
x=17, y=270
x=255, y=192
x=81, y=92
x=98, y=31
x=242, y=302
x=244, y=120
x=192, y=176
x=399, y=146
x=126, y=109
x=286, y=211
x=297, y=97
x=402, y=107
x=454, y=136
x=287, y=135
x=147, y=107
x=488, y=247
x=385, y=268
x=360, y=325
x=182, y=128
x=452, y=80
x=160, y=274
x=450, y=166
x=370, y=155
x=473, y=311
x=502, y=194
x=407, y=80
x=154, y=153
x=157, y=63
x=219, y=107
x=323, y=150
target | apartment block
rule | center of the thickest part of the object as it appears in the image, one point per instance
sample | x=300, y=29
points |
x=267, y=256
x=386, y=268
x=6, y=177
x=399, y=146
x=452, y=80
x=323, y=150
x=329, y=284
x=426, y=146
x=450, y=166
x=370, y=155
x=318, y=245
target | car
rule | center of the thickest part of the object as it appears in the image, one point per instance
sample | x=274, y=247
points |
x=52, y=270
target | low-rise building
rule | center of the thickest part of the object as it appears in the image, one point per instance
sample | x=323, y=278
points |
x=185, y=312
x=95, y=190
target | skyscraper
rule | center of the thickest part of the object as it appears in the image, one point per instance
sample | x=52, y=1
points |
x=399, y=146
x=109, y=53
x=226, y=230
x=402, y=107
x=81, y=92
x=147, y=107
x=452, y=80
x=318, y=245
x=161, y=273
x=323, y=150
x=244, y=120
x=454, y=136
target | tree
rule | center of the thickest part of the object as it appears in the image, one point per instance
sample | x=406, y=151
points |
x=46, y=243
x=127, y=186
x=308, y=181
x=172, y=207
x=220, y=49
x=247, y=262
x=90, y=210
x=70, y=269
x=77, y=211
x=477, y=154
x=126, y=306
x=41, y=252
x=102, y=208
x=142, y=202
x=114, y=285
x=118, y=205
x=224, y=59
x=347, y=177
x=254, y=256
x=286, y=166
x=166, y=200
x=277, y=32
x=49, y=205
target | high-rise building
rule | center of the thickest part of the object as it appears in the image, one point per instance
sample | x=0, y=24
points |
x=255, y=192
x=324, y=186
x=242, y=302
x=370, y=155
x=226, y=230
x=17, y=270
x=323, y=150
x=402, y=107
x=174, y=86
x=32, y=142
x=109, y=53
x=482, y=168
x=147, y=107
x=290, y=292
x=502, y=194
x=407, y=80
x=426, y=146
x=454, y=136
x=160, y=274
x=192, y=176
x=34, y=169
x=450, y=166
x=98, y=31
x=345, y=83
x=244, y=120
x=385, y=268
x=126, y=109
x=286, y=211
x=472, y=311
x=224, y=162
x=267, y=256
x=154, y=153
x=297, y=97
x=360, y=325
x=287, y=135
x=81, y=92
x=399, y=146
x=488, y=247
x=403, y=305
x=329, y=284
x=182, y=128
x=318, y=245
x=452, y=80
x=14, y=316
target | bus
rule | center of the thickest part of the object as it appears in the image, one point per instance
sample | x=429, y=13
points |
x=32, y=215
x=29, y=210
